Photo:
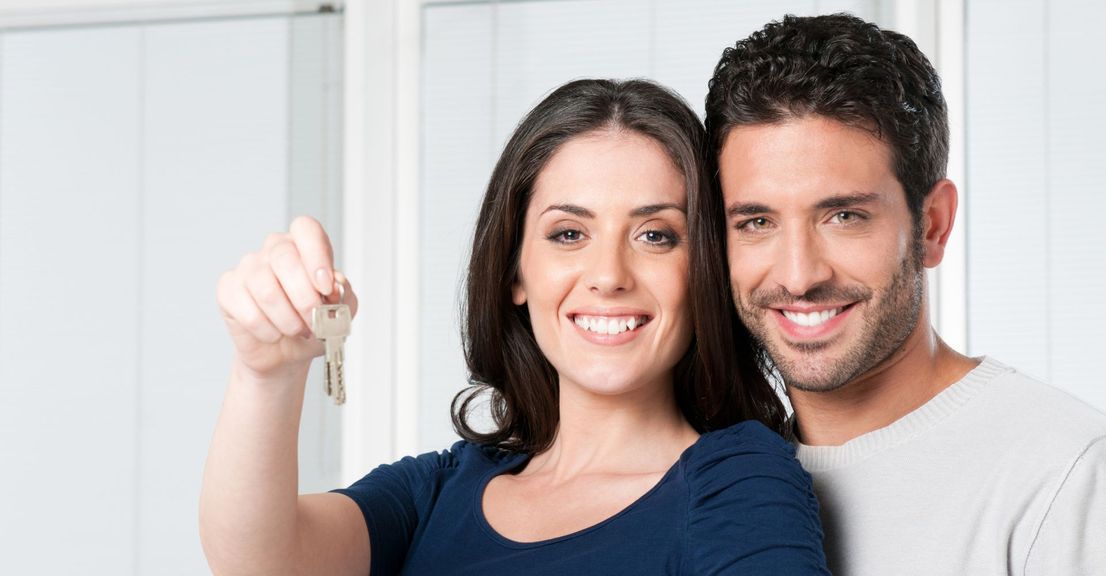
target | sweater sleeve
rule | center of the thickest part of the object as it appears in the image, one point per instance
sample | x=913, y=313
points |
x=391, y=499
x=752, y=508
x=1072, y=535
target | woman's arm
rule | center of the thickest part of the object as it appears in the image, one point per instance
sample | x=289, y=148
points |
x=252, y=520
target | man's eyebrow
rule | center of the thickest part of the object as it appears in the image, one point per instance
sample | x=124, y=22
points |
x=846, y=200
x=571, y=209
x=746, y=209
x=651, y=209
x=840, y=201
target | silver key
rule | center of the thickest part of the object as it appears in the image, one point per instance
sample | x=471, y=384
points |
x=331, y=324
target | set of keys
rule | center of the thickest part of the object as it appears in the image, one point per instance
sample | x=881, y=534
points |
x=331, y=323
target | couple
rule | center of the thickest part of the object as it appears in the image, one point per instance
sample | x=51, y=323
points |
x=635, y=430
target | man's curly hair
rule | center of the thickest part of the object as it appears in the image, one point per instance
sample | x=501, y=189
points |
x=843, y=68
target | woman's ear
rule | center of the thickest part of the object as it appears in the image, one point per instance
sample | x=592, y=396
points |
x=938, y=216
x=518, y=293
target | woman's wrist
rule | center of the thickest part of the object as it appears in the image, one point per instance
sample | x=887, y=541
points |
x=287, y=377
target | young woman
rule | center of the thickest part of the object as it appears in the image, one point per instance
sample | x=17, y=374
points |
x=618, y=445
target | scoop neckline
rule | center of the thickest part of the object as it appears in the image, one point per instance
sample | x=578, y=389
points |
x=514, y=464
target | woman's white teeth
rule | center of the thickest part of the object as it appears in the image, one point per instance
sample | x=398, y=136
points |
x=610, y=325
x=813, y=318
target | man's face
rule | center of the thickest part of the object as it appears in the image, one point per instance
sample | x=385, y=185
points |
x=824, y=260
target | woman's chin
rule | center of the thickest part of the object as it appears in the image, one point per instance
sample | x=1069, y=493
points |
x=610, y=381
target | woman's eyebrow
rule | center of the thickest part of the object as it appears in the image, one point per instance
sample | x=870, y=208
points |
x=646, y=210
x=571, y=209
x=651, y=209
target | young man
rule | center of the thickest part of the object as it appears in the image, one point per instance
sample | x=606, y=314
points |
x=832, y=140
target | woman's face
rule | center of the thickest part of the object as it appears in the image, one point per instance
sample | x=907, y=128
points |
x=604, y=264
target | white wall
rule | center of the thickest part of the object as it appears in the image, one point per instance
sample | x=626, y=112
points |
x=1035, y=193
x=138, y=162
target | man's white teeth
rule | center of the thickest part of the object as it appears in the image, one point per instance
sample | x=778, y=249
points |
x=813, y=318
x=610, y=325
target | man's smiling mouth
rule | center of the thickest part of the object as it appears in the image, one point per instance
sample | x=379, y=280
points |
x=811, y=319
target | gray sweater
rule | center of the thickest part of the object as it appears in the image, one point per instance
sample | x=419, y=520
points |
x=998, y=474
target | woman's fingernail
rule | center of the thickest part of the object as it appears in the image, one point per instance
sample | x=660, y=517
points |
x=325, y=281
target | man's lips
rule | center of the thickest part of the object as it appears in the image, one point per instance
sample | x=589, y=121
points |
x=811, y=318
x=811, y=323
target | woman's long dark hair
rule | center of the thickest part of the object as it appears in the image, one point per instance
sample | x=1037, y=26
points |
x=719, y=380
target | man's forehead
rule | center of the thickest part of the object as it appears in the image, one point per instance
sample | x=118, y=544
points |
x=809, y=158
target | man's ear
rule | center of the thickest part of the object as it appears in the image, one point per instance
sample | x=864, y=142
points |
x=518, y=293
x=938, y=216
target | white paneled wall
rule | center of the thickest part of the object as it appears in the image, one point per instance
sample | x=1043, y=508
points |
x=457, y=127
x=1036, y=246
x=541, y=45
x=69, y=283
x=137, y=163
x=485, y=64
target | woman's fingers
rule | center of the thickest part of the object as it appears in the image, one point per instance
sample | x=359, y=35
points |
x=240, y=310
x=271, y=294
x=314, y=248
x=268, y=293
x=287, y=265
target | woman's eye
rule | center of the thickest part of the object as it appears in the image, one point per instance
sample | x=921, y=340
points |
x=567, y=236
x=659, y=238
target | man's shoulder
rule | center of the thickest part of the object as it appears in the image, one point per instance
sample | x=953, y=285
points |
x=1036, y=408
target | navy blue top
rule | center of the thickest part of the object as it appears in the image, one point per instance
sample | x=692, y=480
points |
x=736, y=502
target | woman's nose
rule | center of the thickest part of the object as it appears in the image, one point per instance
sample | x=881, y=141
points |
x=609, y=270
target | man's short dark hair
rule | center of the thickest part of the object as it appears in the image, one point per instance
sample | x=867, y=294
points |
x=843, y=68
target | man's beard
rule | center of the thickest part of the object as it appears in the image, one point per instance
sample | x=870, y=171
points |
x=890, y=316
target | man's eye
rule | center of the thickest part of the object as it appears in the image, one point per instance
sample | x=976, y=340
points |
x=846, y=217
x=755, y=224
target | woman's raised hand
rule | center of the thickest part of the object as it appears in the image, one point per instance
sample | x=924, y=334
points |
x=267, y=299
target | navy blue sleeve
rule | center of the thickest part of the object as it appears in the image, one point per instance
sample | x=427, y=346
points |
x=752, y=508
x=391, y=499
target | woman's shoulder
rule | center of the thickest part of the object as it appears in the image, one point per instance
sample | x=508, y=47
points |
x=743, y=451
x=462, y=459
x=748, y=437
x=462, y=454
x=750, y=497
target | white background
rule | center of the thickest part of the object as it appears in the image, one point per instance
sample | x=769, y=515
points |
x=146, y=145
x=137, y=162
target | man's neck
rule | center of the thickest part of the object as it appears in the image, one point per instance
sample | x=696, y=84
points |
x=912, y=376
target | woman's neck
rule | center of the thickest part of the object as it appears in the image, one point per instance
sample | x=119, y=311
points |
x=637, y=432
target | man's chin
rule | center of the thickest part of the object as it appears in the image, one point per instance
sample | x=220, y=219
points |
x=813, y=385
x=808, y=368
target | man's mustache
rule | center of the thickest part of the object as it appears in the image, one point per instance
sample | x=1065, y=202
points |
x=823, y=294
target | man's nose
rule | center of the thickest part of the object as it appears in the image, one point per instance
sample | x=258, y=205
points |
x=801, y=264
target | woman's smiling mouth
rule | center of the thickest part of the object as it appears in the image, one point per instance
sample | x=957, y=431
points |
x=609, y=330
